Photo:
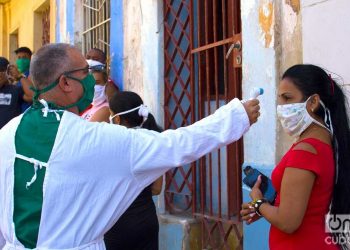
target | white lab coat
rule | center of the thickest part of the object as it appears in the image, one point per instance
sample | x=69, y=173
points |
x=96, y=170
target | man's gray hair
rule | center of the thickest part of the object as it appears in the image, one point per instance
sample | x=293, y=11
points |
x=48, y=63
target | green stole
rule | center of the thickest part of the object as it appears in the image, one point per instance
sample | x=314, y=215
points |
x=35, y=137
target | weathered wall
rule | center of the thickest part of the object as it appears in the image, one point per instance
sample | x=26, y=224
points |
x=326, y=36
x=289, y=47
x=133, y=63
x=3, y=30
x=117, y=43
x=271, y=33
x=143, y=52
x=260, y=70
x=18, y=18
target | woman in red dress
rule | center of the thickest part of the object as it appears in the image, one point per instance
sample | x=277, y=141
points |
x=312, y=176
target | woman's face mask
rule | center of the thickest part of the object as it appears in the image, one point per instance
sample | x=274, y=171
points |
x=99, y=95
x=295, y=118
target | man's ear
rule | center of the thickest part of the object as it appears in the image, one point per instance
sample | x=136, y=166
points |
x=64, y=84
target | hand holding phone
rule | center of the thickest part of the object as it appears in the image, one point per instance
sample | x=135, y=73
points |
x=266, y=186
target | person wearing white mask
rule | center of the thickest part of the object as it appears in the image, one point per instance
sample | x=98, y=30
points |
x=98, y=110
x=311, y=179
x=138, y=227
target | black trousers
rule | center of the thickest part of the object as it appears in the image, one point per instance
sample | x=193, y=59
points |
x=136, y=229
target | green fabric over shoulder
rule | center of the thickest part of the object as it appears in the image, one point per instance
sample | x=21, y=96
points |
x=35, y=137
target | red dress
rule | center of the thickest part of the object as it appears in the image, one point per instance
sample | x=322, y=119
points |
x=311, y=234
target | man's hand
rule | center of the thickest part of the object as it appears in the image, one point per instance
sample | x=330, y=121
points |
x=252, y=108
x=13, y=72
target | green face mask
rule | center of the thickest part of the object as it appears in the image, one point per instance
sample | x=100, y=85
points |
x=23, y=64
x=88, y=84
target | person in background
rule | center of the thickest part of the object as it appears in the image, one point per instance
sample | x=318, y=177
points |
x=313, y=176
x=20, y=74
x=138, y=227
x=98, y=110
x=23, y=54
x=10, y=95
x=100, y=56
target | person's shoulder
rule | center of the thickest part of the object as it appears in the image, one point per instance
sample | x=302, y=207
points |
x=11, y=126
x=9, y=88
x=305, y=146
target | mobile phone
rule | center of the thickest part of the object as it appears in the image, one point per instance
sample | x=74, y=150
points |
x=266, y=187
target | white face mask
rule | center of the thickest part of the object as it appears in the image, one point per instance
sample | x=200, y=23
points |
x=143, y=111
x=99, y=95
x=295, y=119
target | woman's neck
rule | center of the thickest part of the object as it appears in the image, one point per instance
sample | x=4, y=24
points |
x=318, y=132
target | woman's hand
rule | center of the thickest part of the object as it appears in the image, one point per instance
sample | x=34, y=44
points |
x=256, y=194
x=248, y=213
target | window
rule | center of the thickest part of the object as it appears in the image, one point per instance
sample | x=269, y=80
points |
x=97, y=16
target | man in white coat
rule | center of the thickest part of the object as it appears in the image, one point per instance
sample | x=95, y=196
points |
x=65, y=181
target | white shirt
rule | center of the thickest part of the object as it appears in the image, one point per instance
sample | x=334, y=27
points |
x=96, y=170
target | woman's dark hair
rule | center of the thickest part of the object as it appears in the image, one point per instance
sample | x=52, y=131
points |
x=126, y=100
x=311, y=79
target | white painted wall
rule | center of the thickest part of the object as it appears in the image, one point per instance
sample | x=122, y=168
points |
x=326, y=35
x=143, y=52
x=153, y=57
x=260, y=70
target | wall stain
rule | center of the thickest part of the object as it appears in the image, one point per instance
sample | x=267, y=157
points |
x=266, y=21
x=295, y=4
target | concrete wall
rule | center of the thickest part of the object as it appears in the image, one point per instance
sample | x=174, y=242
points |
x=19, y=21
x=260, y=69
x=117, y=43
x=271, y=34
x=326, y=36
x=143, y=52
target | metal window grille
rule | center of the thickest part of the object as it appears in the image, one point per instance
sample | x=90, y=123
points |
x=46, y=26
x=198, y=80
x=97, y=16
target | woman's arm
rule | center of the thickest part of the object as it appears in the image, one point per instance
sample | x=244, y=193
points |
x=157, y=186
x=295, y=192
x=101, y=115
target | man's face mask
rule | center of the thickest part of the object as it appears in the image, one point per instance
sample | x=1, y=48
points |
x=23, y=64
x=88, y=84
x=295, y=119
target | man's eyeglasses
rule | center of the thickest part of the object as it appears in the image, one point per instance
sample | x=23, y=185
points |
x=87, y=69
x=97, y=68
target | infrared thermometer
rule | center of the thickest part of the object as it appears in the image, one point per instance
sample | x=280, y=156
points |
x=256, y=92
